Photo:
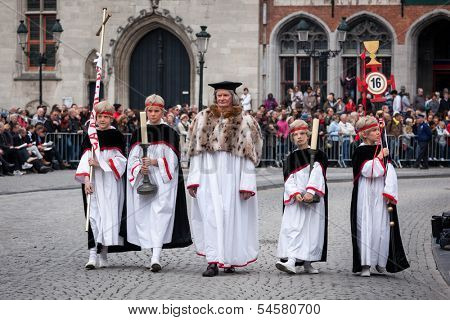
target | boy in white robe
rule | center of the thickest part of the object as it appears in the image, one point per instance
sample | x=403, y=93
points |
x=159, y=220
x=375, y=232
x=303, y=234
x=105, y=187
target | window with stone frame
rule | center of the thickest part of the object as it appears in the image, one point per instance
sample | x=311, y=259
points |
x=296, y=66
x=40, y=17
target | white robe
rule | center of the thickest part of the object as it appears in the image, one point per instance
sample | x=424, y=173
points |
x=150, y=218
x=108, y=197
x=372, y=215
x=303, y=225
x=224, y=226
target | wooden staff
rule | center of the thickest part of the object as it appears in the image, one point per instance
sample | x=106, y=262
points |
x=101, y=33
x=313, y=151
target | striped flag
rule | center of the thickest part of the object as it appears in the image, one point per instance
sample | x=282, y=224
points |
x=92, y=129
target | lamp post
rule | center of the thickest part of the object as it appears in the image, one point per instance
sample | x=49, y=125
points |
x=202, y=47
x=22, y=32
x=303, y=29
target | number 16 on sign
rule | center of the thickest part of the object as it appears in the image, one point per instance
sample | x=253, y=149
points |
x=376, y=83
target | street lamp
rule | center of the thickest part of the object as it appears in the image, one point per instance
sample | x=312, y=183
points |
x=202, y=46
x=303, y=28
x=22, y=33
x=342, y=29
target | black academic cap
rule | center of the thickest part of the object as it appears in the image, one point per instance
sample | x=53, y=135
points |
x=226, y=85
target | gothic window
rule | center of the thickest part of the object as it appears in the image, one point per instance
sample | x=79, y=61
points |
x=365, y=29
x=296, y=67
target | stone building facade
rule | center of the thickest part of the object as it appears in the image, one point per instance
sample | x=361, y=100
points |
x=232, y=53
x=150, y=46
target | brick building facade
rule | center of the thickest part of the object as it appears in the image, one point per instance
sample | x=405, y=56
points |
x=415, y=42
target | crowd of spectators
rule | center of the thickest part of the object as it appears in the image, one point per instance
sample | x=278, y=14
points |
x=426, y=119
x=420, y=123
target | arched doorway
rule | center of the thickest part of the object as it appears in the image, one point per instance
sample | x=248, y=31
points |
x=433, y=59
x=296, y=67
x=159, y=64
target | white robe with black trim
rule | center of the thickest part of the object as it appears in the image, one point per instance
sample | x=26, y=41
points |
x=303, y=225
x=224, y=226
x=150, y=218
x=108, y=197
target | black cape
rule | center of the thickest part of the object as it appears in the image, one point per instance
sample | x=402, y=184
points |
x=111, y=138
x=397, y=260
x=163, y=134
x=297, y=160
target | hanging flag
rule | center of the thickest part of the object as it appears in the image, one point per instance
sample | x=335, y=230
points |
x=92, y=128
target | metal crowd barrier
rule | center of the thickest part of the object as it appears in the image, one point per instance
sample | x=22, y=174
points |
x=339, y=149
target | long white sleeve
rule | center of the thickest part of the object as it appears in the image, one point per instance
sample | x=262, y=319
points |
x=168, y=164
x=391, y=187
x=373, y=168
x=248, y=177
x=193, y=180
x=134, y=165
x=83, y=167
x=316, y=182
x=290, y=190
x=118, y=163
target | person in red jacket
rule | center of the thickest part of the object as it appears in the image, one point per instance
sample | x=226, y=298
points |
x=350, y=106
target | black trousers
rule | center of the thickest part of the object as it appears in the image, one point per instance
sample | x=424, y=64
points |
x=12, y=156
x=423, y=154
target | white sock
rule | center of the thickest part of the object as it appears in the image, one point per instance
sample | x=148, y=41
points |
x=92, y=253
x=156, y=253
x=104, y=252
x=291, y=262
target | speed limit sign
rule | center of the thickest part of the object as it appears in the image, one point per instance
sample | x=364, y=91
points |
x=376, y=83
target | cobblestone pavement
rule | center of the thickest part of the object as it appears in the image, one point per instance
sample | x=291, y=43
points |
x=43, y=251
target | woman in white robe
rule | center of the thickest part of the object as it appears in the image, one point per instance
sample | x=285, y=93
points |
x=225, y=146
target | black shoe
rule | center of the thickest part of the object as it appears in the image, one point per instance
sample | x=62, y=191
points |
x=211, y=271
x=8, y=165
x=424, y=168
x=155, y=267
x=8, y=173
x=229, y=270
x=44, y=169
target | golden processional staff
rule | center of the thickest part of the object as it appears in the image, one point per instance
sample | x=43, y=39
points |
x=92, y=130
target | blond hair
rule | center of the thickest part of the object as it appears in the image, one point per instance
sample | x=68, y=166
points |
x=154, y=99
x=363, y=122
x=104, y=106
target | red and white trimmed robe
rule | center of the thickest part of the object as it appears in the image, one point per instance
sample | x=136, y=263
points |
x=303, y=226
x=150, y=219
x=108, y=198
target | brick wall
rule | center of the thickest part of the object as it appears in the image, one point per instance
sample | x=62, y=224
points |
x=392, y=13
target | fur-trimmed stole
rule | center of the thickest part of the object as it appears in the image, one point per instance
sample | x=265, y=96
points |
x=233, y=132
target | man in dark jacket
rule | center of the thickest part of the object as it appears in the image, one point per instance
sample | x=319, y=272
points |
x=444, y=105
x=423, y=132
